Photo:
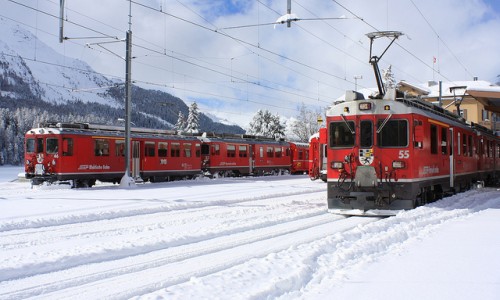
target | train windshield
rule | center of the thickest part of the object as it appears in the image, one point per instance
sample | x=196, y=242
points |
x=341, y=135
x=393, y=134
x=34, y=145
x=30, y=146
x=52, y=146
x=366, y=134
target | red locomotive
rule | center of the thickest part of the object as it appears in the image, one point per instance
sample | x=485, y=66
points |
x=83, y=153
x=392, y=153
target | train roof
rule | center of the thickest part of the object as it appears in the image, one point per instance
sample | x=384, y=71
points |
x=107, y=130
x=241, y=138
x=410, y=103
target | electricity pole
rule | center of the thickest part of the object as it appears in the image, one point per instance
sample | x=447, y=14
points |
x=126, y=181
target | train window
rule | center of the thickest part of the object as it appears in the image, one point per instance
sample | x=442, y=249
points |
x=278, y=152
x=39, y=145
x=458, y=143
x=393, y=134
x=470, y=145
x=175, y=150
x=67, y=147
x=444, y=143
x=231, y=151
x=243, y=150
x=101, y=147
x=270, y=152
x=205, y=149
x=464, y=145
x=119, y=148
x=366, y=134
x=52, y=145
x=162, y=149
x=261, y=151
x=301, y=154
x=149, y=149
x=341, y=134
x=187, y=149
x=216, y=149
x=30, y=146
x=197, y=150
x=434, y=139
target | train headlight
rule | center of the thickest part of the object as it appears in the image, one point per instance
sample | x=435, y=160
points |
x=365, y=106
x=398, y=164
x=337, y=165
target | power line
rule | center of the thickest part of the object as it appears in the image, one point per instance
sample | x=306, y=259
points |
x=439, y=38
x=185, y=61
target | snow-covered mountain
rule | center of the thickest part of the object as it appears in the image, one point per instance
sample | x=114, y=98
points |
x=30, y=70
x=51, y=77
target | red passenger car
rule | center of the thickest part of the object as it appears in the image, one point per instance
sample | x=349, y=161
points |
x=84, y=153
x=238, y=155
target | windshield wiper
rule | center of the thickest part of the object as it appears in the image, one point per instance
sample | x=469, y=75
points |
x=347, y=124
x=383, y=123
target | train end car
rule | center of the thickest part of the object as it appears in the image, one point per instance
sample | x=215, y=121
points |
x=317, y=155
x=299, y=156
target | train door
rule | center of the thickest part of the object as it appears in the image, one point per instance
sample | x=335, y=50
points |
x=452, y=159
x=251, y=158
x=136, y=159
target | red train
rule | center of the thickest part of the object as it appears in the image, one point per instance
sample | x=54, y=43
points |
x=398, y=154
x=83, y=153
x=391, y=153
x=317, y=155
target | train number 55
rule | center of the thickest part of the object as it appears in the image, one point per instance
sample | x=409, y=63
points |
x=404, y=154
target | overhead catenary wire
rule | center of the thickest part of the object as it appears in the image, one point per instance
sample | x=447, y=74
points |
x=261, y=85
x=440, y=39
x=257, y=46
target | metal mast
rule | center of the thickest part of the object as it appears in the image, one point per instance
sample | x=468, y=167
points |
x=128, y=91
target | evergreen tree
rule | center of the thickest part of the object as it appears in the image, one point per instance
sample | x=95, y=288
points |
x=181, y=122
x=265, y=124
x=277, y=130
x=389, y=80
x=193, y=120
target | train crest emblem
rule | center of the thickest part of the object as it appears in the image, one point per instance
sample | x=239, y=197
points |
x=366, y=156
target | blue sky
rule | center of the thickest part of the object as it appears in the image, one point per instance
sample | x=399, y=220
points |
x=219, y=8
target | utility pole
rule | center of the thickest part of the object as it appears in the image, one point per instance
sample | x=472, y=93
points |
x=126, y=180
x=356, y=77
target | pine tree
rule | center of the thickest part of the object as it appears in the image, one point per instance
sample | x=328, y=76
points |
x=193, y=120
x=265, y=124
x=389, y=81
x=181, y=122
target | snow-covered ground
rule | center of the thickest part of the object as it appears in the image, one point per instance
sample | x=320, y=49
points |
x=243, y=238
